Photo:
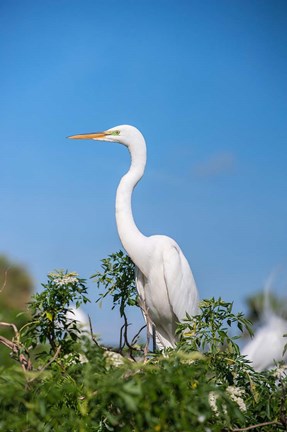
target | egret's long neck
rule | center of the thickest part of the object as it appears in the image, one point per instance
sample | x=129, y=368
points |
x=132, y=239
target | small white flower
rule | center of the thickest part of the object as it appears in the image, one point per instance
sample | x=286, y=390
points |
x=236, y=394
x=212, y=398
x=280, y=371
x=201, y=418
x=64, y=279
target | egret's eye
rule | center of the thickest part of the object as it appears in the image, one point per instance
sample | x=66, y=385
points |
x=115, y=133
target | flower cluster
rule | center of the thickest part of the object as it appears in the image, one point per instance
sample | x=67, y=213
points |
x=64, y=279
x=212, y=398
x=236, y=394
x=280, y=371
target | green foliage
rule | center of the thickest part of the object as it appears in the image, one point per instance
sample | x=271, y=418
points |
x=118, y=280
x=209, y=329
x=49, y=310
x=203, y=385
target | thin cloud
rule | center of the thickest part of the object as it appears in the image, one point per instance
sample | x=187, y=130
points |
x=218, y=164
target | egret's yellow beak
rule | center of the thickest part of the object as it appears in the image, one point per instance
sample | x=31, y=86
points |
x=93, y=135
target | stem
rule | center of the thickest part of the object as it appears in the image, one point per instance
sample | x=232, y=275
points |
x=255, y=426
x=121, y=339
x=137, y=334
x=48, y=364
x=51, y=336
x=91, y=332
x=5, y=279
x=126, y=337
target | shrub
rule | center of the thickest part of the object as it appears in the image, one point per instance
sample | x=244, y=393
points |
x=75, y=384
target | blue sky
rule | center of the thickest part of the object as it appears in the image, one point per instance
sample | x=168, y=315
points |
x=206, y=83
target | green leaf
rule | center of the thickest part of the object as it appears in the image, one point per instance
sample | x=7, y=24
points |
x=240, y=326
x=49, y=315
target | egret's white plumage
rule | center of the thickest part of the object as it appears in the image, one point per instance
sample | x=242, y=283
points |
x=268, y=343
x=81, y=318
x=164, y=279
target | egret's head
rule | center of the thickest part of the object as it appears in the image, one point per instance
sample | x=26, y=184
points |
x=123, y=134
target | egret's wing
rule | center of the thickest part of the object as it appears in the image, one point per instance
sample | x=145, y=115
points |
x=180, y=284
x=161, y=341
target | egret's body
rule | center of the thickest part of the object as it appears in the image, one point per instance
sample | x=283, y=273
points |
x=267, y=346
x=164, y=280
x=166, y=287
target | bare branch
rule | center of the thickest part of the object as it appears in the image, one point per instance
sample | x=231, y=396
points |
x=91, y=332
x=121, y=338
x=5, y=279
x=137, y=334
x=4, y=324
x=131, y=348
x=47, y=364
x=16, y=347
x=52, y=359
x=255, y=426
x=9, y=344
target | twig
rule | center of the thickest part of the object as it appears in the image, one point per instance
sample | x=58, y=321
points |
x=4, y=324
x=7, y=343
x=92, y=333
x=52, y=359
x=256, y=426
x=25, y=362
x=47, y=364
x=137, y=334
x=16, y=347
x=121, y=347
x=126, y=337
x=5, y=279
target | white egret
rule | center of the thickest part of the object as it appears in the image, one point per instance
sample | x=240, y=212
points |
x=81, y=318
x=267, y=345
x=164, y=280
